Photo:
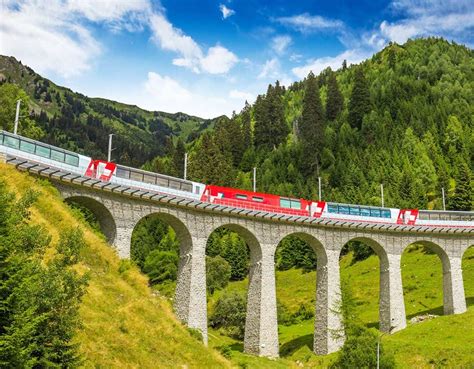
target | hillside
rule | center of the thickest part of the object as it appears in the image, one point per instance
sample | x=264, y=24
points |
x=403, y=118
x=80, y=123
x=124, y=324
x=445, y=341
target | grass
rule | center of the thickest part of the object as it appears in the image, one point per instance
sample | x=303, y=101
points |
x=446, y=341
x=124, y=324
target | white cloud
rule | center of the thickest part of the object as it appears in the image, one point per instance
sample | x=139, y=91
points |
x=309, y=23
x=242, y=95
x=46, y=37
x=452, y=19
x=218, y=60
x=318, y=65
x=226, y=12
x=50, y=36
x=166, y=94
x=281, y=43
x=270, y=68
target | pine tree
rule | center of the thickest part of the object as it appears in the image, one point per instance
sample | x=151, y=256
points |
x=246, y=126
x=262, y=123
x=335, y=100
x=359, y=103
x=178, y=158
x=462, y=197
x=210, y=165
x=311, y=127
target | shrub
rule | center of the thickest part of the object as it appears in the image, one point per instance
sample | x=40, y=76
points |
x=161, y=266
x=229, y=313
x=360, y=351
x=217, y=273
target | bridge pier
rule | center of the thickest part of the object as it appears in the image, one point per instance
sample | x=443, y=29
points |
x=392, y=305
x=261, y=325
x=123, y=241
x=454, y=299
x=328, y=327
x=190, y=295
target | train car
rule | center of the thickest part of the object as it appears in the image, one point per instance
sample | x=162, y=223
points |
x=362, y=213
x=157, y=182
x=39, y=152
x=256, y=201
x=443, y=218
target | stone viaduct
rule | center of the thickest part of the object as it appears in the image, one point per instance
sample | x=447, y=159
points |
x=118, y=213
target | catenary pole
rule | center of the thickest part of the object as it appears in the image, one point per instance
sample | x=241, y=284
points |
x=109, y=151
x=185, y=165
x=254, y=179
x=381, y=193
x=17, y=116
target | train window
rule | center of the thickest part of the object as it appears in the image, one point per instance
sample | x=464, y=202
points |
x=257, y=199
x=11, y=142
x=136, y=176
x=343, y=209
x=72, y=160
x=290, y=204
x=241, y=197
x=285, y=203
x=386, y=214
x=174, y=184
x=365, y=212
x=354, y=210
x=57, y=155
x=160, y=181
x=149, y=179
x=375, y=213
x=43, y=151
x=122, y=173
x=197, y=189
x=332, y=208
x=188, y=187
x=27, y=146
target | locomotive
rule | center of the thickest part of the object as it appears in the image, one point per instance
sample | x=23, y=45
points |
x=38, y=152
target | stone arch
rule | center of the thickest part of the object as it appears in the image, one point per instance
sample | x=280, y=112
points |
x=328, y=330
x=104, y=216
x=391, y=305
x=467, y=262
x=453, y=291
x=261, y=330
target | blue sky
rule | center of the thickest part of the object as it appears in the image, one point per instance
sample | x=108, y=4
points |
x=207, y=57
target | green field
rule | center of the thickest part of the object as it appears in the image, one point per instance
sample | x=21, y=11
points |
x=443, y=341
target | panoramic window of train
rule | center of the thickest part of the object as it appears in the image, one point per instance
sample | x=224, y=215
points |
x=57, y=155
x=386, y=214
x=149, y=179
x=354, y=210
x=188, y=187
x=197, y=189
x=72, y=160
x=27, y=147
x=136, y=176
x=175, y=185
x=43, y=151
x=160, y=181
x=11, y=142
x=122, y=173
x=365, y=212
x=375, y=213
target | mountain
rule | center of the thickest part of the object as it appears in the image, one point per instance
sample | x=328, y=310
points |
x=80, y=123
x=403, y=118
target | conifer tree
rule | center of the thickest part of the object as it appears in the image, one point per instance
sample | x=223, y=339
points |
x=262, y=126
x=335, y=100
x=210, y=165
x=311, y=127
x=462, y=197
x=178, y=158
x=246, y=126
x=359, y=103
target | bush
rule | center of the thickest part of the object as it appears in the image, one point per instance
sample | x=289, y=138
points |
x=360, y=250
x=217, y=273
x=229, y=313
x=161, y=266
x=360, y=351
x=40, y=298
x=292, y=252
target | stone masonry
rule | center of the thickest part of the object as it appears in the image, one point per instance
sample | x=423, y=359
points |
x=118, y=216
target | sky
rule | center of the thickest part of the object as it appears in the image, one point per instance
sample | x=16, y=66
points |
x=206, y=57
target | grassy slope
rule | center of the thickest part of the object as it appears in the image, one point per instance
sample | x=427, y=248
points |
x=125, y=326
x=446, y=341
